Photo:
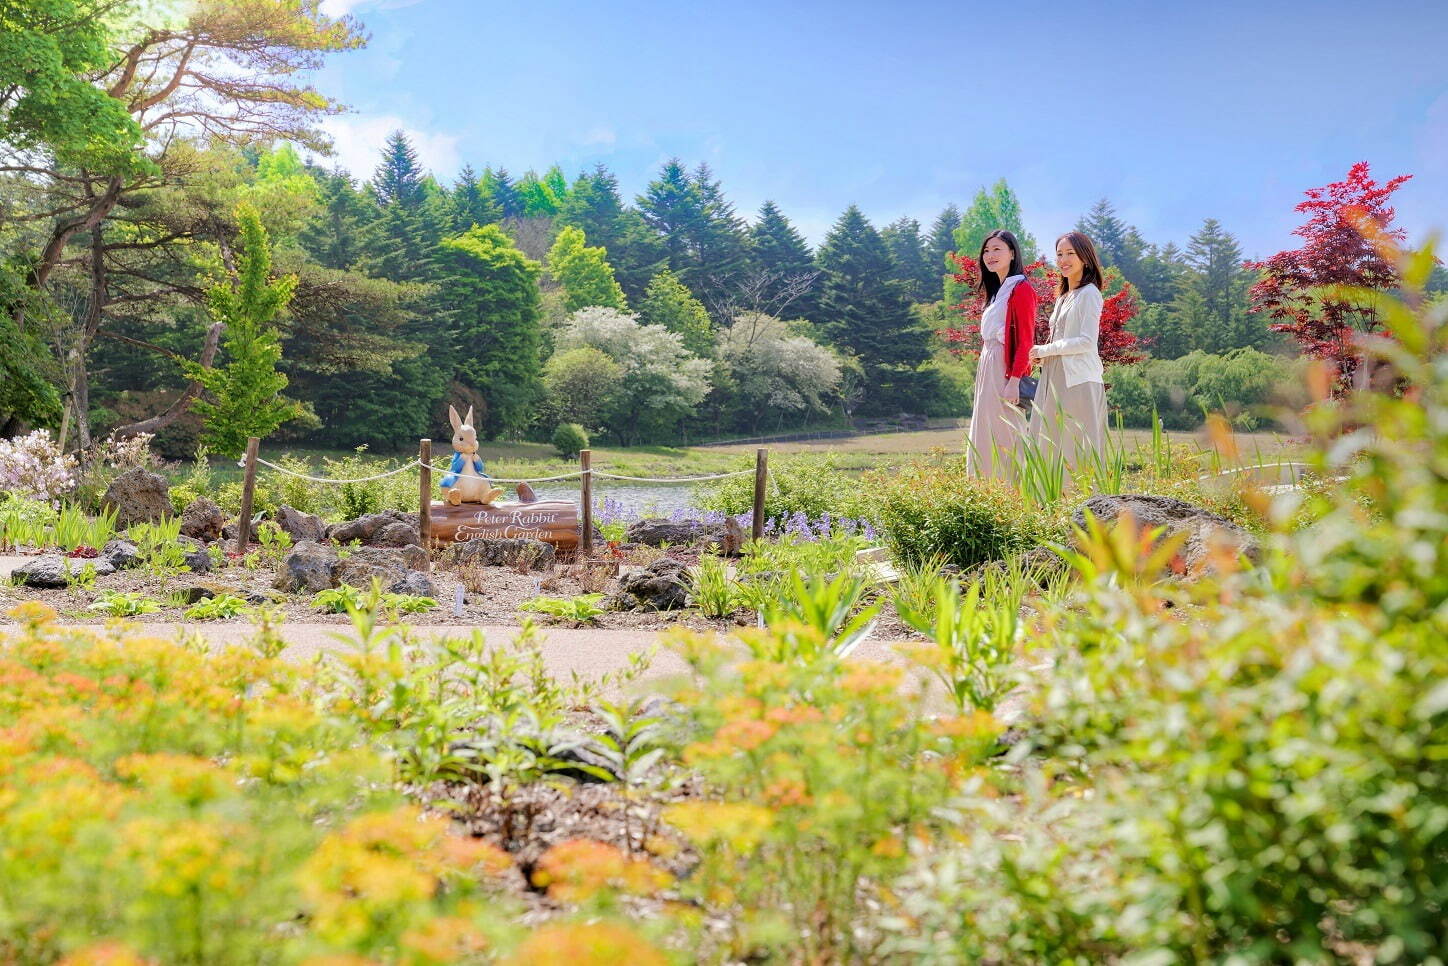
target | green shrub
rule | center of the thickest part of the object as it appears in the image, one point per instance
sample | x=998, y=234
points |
x=798, y=483
x=569, y=439
x=932, y=507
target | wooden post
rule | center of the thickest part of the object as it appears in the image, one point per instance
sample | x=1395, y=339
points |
x=585, y=537
x=424, y=492
x=761, y=471
x=248, y=491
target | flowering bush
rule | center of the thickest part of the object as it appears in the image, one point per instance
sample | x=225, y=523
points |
x=33, y=466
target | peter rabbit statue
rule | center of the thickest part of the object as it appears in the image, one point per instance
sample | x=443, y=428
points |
x=467, y=481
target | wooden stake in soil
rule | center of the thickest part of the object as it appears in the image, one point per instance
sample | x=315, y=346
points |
x=424, y=492
x=761, y=471
x=248, y=491
x=585, y=536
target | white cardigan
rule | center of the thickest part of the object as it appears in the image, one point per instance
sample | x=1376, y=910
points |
x=1075, y=327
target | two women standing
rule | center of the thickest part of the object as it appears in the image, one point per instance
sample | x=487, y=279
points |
x=1069, y=414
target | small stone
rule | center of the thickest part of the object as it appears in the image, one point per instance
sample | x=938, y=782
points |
x=121, y=554
x=662, y=585
x=203, y=520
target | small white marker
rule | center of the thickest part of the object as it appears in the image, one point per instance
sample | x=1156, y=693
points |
x=457, y=602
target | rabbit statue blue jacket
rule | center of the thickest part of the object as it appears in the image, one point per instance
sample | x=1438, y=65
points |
x=457, y=467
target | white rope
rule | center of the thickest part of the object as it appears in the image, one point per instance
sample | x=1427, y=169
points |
x=682, y=479
x=501, y=479
x=323, y=479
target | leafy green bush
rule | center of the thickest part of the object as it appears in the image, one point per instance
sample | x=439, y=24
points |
x=798, y=483
x=118, y=604
x=219, y=607
x=581, y=609
x=569, y=439
x=932, y=507
x=1242, y=384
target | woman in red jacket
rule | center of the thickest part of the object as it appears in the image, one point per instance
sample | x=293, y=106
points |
x=1007, y=333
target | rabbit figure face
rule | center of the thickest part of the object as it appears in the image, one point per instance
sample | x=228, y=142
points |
x=465, y=437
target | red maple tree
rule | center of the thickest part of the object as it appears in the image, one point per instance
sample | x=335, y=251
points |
x=1336, y=253
x=1116, y=345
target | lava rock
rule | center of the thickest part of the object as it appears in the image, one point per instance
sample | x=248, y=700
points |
x=413, y=582
x=53, y=572
x=299, y=525
x=121, y=554
x=655, y=531
x=1207, y=534
x=307, y=568
x=198, y=558
x=396, y=534
x=504, y=552
x=202, y=519
x=389, y=564
x=662, y=585
x=138, y=496
x=364, y=528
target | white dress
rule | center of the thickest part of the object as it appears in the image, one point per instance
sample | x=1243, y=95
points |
x=1069, y=414
x=995, y=425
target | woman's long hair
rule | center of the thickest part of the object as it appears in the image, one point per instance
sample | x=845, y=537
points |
x=990, y=282
x=1091, y=273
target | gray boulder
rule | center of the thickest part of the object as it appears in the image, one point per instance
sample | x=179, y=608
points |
x=198, y=558
x=121, y=554
x=729, y=535
x=662, y=585
x=506, y=552
x=203, y=520
x=397, y=534
x=53, y=572
x=138, y=496
x=389, y=564
x=364, y=528
x=413, y=582
x=307, y=568
x=1206, y=532
x=301, y=526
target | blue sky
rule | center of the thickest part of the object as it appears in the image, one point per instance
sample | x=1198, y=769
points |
x=1173, y=111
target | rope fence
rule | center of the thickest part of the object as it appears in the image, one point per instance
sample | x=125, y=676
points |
x=586, y=475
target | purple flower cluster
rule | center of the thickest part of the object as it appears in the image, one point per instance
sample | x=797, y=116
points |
x=609, y=510
x=801, y=527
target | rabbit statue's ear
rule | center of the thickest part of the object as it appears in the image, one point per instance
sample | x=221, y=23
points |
x=468, y=419
x=457, y=422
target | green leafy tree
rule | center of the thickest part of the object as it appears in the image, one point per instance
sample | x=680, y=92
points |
x=243, y=396
x=670, y=304
x=581, y=384
x=500, y=191
x=336, y=234
x=584, y=272
x=867, y=314
x=490, y=291
x=997, y=208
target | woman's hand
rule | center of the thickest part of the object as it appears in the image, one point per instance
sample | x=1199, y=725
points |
x=1011, y=391
x=1035, y=353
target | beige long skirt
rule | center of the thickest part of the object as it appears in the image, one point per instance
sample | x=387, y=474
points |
x=995, y=425
x=1068, y=419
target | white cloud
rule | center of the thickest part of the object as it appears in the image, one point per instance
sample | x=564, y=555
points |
x=604, y=136
x=358, y=141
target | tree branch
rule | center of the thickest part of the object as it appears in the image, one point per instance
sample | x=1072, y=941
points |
x=183, y=403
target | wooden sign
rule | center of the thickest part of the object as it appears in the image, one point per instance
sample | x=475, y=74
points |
x=552, y=521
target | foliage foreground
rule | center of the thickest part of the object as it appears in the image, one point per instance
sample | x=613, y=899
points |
x=1247, y=768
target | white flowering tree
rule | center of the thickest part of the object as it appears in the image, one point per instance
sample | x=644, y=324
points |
x=660, y=382
x=776, y=370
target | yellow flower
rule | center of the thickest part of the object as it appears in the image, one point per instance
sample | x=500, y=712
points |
x=445, y=939
x=32, y=614
x=586, y=944
x=194, y=780
x=871, y=678
x=739, y=825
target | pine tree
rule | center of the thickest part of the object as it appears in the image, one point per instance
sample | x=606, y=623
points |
x=499, y=189
x=594, y=204
x=781, y=251
x=670, y=304
x=584, y=273
x=490, y=292
x=721, y=242
x=399, y=177
x=942, y=238
x=244, y=395
x=336, y=235
x=1219, y=281
x=470, y=206
x=865, y=312
x=671, y=206
x=1119, y=245
x=989, y=210
x=912, y=264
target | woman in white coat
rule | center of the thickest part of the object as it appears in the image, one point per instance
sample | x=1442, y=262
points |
x=1069, y=415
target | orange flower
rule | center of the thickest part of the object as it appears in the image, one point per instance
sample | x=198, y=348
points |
x=445, y=939
x=107, y=953
x=573, y=871
x=786, y=792
x=746, y=734
x=586, y=944
x=871, y=678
